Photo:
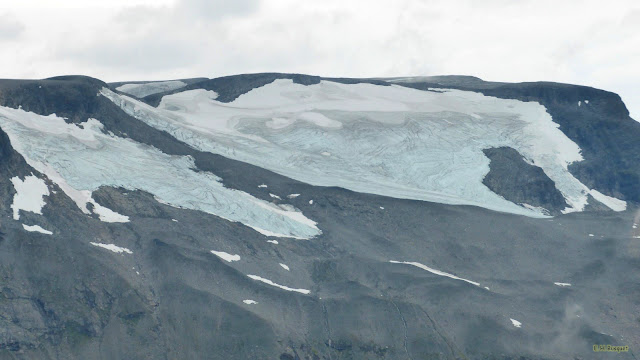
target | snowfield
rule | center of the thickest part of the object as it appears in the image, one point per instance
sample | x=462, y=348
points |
x=82, y=158
x=146, y=89
x=385, y=140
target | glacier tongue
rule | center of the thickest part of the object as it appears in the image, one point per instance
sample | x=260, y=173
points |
x=82, y=158
x=386, y=140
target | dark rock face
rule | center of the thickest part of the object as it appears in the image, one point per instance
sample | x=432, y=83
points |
x=72, y=97
x=63, y=298
x=520, y=182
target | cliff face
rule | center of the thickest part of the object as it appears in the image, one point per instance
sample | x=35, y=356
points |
x=387, y=278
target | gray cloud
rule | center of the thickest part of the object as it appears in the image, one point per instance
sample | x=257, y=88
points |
x=142, y=54
x=146, y=39
x=10, y=28
x=216, y=9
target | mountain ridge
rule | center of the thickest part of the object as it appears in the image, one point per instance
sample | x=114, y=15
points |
x=387, y=278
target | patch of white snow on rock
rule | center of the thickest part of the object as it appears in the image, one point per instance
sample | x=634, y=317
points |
x=29, y=195
x=516, y=323
x=434, y=271
x=226, y=256
x=111, y=247
x=36, y=228
x=269, y=282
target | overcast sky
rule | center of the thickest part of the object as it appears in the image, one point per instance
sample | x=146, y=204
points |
x=590, y=42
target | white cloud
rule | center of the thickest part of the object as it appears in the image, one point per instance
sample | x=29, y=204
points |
x=583, y=42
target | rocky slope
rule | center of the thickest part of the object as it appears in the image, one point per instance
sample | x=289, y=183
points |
x=386, y=278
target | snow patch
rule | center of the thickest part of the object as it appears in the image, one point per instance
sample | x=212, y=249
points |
x=611, y=202
x=269, y=282
x=293, y=196
x=516, y=323
x=226, y=256
x=591, y=235
x=275, y=242
x=108, y=215
x=112, y=247
x=36, y=228
x=561, y=284
x=146, y=89
x=249, y=302
x=284, y=266
x=29, y=195
x=434, y=271
x=262, y=186
x=310, y=202
x=275, y=196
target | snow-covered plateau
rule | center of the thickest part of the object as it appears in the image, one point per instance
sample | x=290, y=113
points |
x=386, y=140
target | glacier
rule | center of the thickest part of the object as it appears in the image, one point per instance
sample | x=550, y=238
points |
x=80, y=158
x=386, y=140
